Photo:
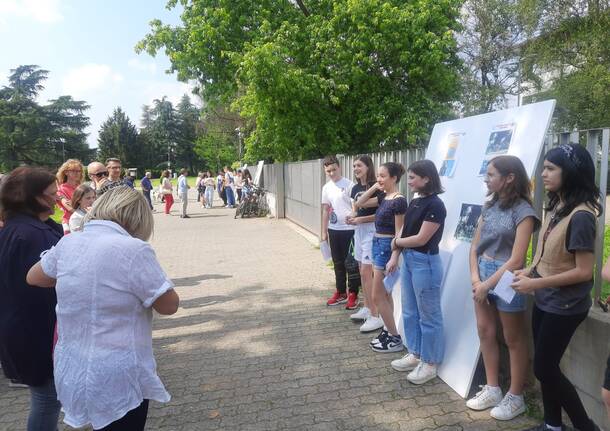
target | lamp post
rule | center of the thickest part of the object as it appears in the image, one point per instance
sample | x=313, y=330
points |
x=239, y=142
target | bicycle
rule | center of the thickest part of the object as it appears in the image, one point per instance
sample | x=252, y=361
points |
x=254, y=204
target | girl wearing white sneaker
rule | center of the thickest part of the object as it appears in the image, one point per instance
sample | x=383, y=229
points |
x=363, y=218
x=421, y=274
x=389, y=218
x=500, y=244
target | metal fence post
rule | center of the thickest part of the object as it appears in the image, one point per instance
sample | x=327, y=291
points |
x=601, y=222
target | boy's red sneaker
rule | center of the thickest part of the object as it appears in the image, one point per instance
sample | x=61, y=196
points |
x=336, y=299
x=352, y=301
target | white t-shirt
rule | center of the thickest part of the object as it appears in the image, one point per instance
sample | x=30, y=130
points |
x=337, y=196
x=107, y=282
x=76, y=219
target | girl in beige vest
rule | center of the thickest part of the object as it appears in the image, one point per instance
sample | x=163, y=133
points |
x=561, y=278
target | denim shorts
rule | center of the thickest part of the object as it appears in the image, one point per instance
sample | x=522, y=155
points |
x=487, y=268
x=382, y=251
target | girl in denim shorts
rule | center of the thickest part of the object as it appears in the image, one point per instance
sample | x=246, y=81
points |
x=388, y=221
x=500, y=244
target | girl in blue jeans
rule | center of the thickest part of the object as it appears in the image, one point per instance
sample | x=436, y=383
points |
x=500, y=244
x=421, y=274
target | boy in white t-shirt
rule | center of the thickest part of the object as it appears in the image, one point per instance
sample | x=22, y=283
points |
x=336, y=207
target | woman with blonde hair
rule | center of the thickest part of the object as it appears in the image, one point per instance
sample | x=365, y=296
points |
x=69, y=177
x=108, y=281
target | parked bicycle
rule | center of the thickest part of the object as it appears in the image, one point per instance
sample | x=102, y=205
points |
x=254, y=204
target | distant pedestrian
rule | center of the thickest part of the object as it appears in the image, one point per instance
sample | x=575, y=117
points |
x=168, y=191
x=82, y=200
x=247, y=183
x=239, y=184
x=229, y=183
x=209, y=189
x=129, y=180
x=220, y=185
x=200, y=188
x=69, y=176
x=147, y=187
x=183, y=192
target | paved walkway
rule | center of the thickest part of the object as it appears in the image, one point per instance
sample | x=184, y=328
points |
x=253, y=346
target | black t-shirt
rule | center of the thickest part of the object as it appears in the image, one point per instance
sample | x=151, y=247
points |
x=428, y=208
x=357, y=191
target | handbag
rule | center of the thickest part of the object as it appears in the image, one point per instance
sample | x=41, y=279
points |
x=351, y=264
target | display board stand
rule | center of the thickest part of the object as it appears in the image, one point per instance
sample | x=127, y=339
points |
x=461, y=149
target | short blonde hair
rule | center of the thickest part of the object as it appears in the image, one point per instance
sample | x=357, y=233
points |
x=70, y=164
x=126, y=207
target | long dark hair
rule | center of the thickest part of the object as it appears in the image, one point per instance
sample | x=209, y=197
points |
x=19, y=191
x=514, y=191
x=577, y=180
x=370, y=170
x=426, y=168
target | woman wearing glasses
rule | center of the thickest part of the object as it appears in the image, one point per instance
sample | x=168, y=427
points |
x=69, y=177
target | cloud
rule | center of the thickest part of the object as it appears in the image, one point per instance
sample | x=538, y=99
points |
x=88, y=78
x=44, y=11
x=142, y=66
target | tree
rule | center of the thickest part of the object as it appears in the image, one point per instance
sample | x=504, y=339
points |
x=118, y=138
x=489, y=44
x=329, y=76
x=36, y=134
x=188, y=119
x=567, y=57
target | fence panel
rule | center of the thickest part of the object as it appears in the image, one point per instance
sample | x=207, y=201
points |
x=303, y=186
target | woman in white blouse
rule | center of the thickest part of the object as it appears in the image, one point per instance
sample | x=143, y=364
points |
x=107, y=281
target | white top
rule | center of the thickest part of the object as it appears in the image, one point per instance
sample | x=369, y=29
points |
x=337, y=196
x=103, y=360
x=76, y=219
x=183, y=187
x=166, y=186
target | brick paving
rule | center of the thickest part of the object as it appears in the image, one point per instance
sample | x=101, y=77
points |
x=253, y=346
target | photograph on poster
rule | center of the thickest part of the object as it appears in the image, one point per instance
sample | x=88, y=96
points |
x=499, y=143
x=467, y=224
x=448, y=167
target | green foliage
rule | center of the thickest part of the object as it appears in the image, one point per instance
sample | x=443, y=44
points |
x=568, y=58
x=118, y=138
x=334, y=76
x=37, y=134
x=217, y=151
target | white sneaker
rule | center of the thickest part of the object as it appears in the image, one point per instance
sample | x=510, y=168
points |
x=488, y=396
x=510, y=407
x=422, y=373
x=361, y=314
x=407, y=363
x=372, y=323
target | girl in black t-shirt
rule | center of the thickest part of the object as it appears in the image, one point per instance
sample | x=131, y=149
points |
x=421, y=274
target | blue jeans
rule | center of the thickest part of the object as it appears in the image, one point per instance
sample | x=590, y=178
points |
x=230, y=196
x=44, y=408
x=487, y=268
x=209, y=196
x=421, y=276
x=382, y=252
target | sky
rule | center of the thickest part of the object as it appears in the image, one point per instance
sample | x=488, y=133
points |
x=88, y=48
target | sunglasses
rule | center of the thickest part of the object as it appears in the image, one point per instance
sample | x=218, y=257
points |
x=100, y=174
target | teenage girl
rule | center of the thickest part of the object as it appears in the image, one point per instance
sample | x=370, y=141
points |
x=500, y=244
x=363, y=218
x=421, y=274
x=561, y=277
x=389, y=219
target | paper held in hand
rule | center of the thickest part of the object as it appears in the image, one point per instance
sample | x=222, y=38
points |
x=390, y=280
x=325, y=249
x=503, y=289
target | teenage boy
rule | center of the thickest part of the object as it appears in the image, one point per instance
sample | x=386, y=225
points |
x=336, y=206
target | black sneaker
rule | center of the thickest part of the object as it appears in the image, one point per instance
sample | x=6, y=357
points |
x=392, y=343
x=543, y=427
x=382, y=336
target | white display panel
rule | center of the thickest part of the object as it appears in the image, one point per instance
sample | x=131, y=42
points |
x=461, y=148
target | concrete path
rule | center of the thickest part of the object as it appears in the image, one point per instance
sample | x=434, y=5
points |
x=254, y=347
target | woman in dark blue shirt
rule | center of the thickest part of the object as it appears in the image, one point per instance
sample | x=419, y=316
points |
x=27, y=313
x=421, y=274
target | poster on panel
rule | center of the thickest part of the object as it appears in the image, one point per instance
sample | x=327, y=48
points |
x=461, y=150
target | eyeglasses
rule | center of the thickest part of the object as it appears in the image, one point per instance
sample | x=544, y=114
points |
x=100, y=174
